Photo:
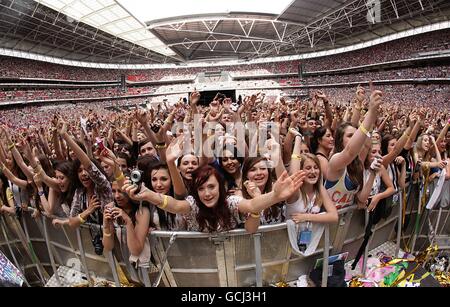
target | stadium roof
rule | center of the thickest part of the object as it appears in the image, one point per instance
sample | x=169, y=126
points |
x=132, y=32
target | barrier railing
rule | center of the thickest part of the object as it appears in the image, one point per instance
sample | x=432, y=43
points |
x=233, y=258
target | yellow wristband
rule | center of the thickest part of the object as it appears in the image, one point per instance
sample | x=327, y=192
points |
x=120, y=177
x=106, y=234
x=364, y=130
x=296, y=157
x=82, y=221
x=165, y=202
x=255, y=215
x=11, y=146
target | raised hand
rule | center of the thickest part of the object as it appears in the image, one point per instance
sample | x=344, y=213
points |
x=131, y=189
x=141, y=116
x=399, y=160
x=287, y=185
x=375, y=100
x=195, y=97
x=360, y=94
x=62, y=127
x=175, y=149
x=321, y=95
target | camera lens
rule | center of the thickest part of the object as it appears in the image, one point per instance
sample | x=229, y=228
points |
x=135, y=176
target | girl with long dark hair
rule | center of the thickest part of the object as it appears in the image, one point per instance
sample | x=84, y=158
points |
x=209, y=209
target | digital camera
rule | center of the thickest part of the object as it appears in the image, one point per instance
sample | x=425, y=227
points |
x=98, y=145
x=97, y=243
x=136, y=178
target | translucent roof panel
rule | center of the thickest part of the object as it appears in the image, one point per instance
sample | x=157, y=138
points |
x=152, y=10
x=109, y=16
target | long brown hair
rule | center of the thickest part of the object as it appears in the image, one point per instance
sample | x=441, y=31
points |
x=318, y=201
x=355, y=168
x=219, y=215
x=272, y=211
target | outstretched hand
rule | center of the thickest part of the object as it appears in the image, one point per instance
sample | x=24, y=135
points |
x=287, y=185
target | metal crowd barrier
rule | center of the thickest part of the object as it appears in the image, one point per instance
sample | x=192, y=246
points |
x=232, y=259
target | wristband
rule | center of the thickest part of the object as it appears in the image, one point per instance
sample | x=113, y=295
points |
x=82, y=221
x=165, y=202
x=296, y=157
x=255, y=215
x=364, y=130
x=120, y=177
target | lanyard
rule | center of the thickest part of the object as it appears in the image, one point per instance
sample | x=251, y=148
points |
x=310, y=205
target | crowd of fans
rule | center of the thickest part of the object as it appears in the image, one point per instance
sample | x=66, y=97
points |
x=76, y=93
x=395, y=50
x=335, y=148
x=401, y=49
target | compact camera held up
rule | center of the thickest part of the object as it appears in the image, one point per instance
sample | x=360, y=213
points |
x=136, y=178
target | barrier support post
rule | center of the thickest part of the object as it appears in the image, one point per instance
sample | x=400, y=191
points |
x=258, y=259
x=326, y=254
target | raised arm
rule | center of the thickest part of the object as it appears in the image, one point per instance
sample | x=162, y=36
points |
x=39, y=172
x=19, y=182
x=283, y=188
x=81, y=155
x=387, y=159
x=173, y=152
x=339, y=161
x=17, y=156
x=415, y=130
x=164, y=202
x=443, y=132
x=359, y=99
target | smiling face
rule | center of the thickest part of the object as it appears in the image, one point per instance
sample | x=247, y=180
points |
x=312, y=171
x=229, y=163
x=161, y=182
x=188, y=164
x=63, y=181
x=327, y=141
x=259, y=174
x=84, y=178
x=209, y=192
